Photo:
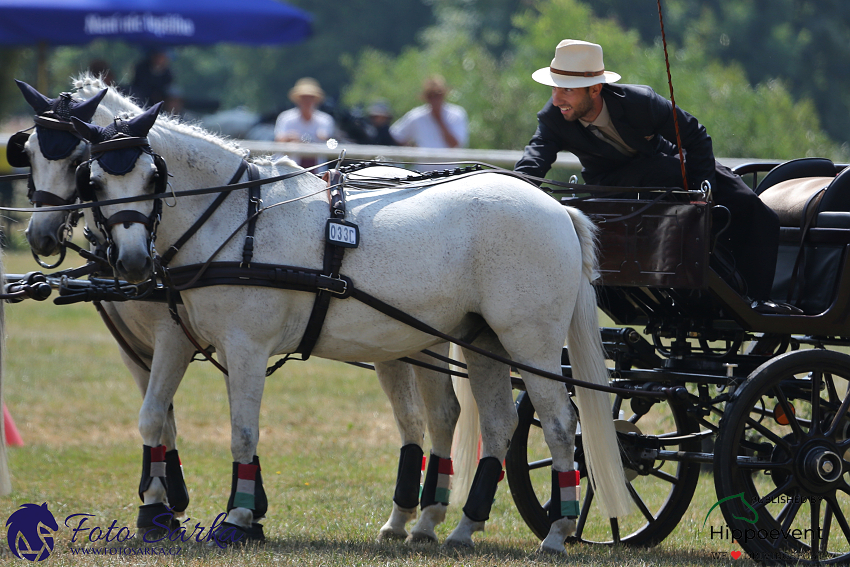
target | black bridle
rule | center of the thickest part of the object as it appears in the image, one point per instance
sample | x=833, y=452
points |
x=86, y=192
x=17, y=157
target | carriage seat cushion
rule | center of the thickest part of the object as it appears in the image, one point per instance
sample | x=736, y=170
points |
x=788, y=198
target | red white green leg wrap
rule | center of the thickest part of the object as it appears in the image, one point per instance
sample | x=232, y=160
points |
x=566, y=491
x=246, y=489
x=438, y=482
x=153, y=466
x=408, y=480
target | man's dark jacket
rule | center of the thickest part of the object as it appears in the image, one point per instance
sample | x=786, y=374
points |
x=645, y=122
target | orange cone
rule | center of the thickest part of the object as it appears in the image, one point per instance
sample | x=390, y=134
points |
x=13, y=438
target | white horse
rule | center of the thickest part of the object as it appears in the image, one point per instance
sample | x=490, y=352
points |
x=419, y=397
x=486, y=256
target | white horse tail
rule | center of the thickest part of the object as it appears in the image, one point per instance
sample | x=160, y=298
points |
x=466, y=437
x=587, y=357
x=5, y=478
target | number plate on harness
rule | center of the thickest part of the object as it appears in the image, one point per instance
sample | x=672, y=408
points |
x=343, y=233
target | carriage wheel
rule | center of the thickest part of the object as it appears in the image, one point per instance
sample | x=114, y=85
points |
x=783, y=460
x=662, y=491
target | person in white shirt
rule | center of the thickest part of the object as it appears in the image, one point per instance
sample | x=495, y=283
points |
x=305, y=123
x=437, y=124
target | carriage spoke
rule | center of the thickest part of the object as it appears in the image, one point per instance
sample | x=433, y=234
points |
x=789, y=413
x=771, y=436
x=836, y=421
x=814, y=506
x=640, y=503
x=615, y=530
x=815, y=427
x=542, y=463
x=762, y=502
x=827, y=524
x=839, y=517
x=585, y=511
x=832, y=393
x=665, y=476
x=787, y=515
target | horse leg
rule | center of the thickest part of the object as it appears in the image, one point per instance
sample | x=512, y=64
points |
x=162, y=487
x=492, y=390
x=398, y=383
x=558, y=421
x=442, y=411
x=247, y=503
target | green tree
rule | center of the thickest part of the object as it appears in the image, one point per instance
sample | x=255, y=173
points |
x=502, y=100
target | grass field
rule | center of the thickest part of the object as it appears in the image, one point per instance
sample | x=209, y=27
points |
x=328, y=447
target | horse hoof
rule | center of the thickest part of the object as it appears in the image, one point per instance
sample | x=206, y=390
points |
x=421, y=537
x=156, y=520
x=390, y=535
x=228, y=534
x=458, y=544
x=544, y=549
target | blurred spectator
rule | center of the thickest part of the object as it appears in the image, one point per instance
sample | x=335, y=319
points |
x=437, y=124
x=175, y=104
x=377, y=129
x=152, y=78
x=100, y=68
x=305, y=123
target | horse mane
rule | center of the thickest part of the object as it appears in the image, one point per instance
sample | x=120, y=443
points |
x=87, y=85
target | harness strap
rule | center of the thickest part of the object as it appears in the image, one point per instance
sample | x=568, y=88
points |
x=809, y=214
x=119, y=338
x=332, y=264
x=254, y=203
x=172, y=251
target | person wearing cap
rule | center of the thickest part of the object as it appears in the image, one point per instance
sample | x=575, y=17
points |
x=624, y=135
x=305, y=123
x=436, y=124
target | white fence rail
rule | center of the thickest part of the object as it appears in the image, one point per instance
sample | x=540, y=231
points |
x=501, y=158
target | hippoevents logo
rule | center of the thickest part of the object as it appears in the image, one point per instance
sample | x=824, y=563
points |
x=30, y=534
x=747, y=504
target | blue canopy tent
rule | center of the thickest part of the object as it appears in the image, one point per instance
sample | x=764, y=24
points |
x=150, y=22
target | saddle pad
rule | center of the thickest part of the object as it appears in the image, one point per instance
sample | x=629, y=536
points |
x=788, y=198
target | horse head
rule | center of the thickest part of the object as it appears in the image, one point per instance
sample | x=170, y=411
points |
x=53, y=152
x=122, y=164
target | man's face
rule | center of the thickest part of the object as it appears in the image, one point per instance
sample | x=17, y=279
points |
x=574, y=103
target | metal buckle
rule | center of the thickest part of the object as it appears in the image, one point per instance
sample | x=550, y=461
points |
x=344, y=286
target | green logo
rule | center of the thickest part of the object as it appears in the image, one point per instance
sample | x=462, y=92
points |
x=747, y=504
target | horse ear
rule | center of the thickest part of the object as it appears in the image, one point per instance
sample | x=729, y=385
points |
x=88, y=132
x=142, y=124
x=85, y=110
x=36, y=100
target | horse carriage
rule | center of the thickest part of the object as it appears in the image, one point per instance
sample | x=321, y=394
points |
x=706, y=371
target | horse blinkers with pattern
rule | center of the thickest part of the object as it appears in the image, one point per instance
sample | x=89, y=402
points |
x=86, y=191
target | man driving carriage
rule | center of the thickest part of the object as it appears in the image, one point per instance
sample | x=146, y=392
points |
x=624, y=135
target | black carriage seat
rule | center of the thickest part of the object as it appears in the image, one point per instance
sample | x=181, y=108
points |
x=809, y=260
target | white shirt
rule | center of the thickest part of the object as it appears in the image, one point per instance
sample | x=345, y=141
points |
x=420, y=128
x=319, y=128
